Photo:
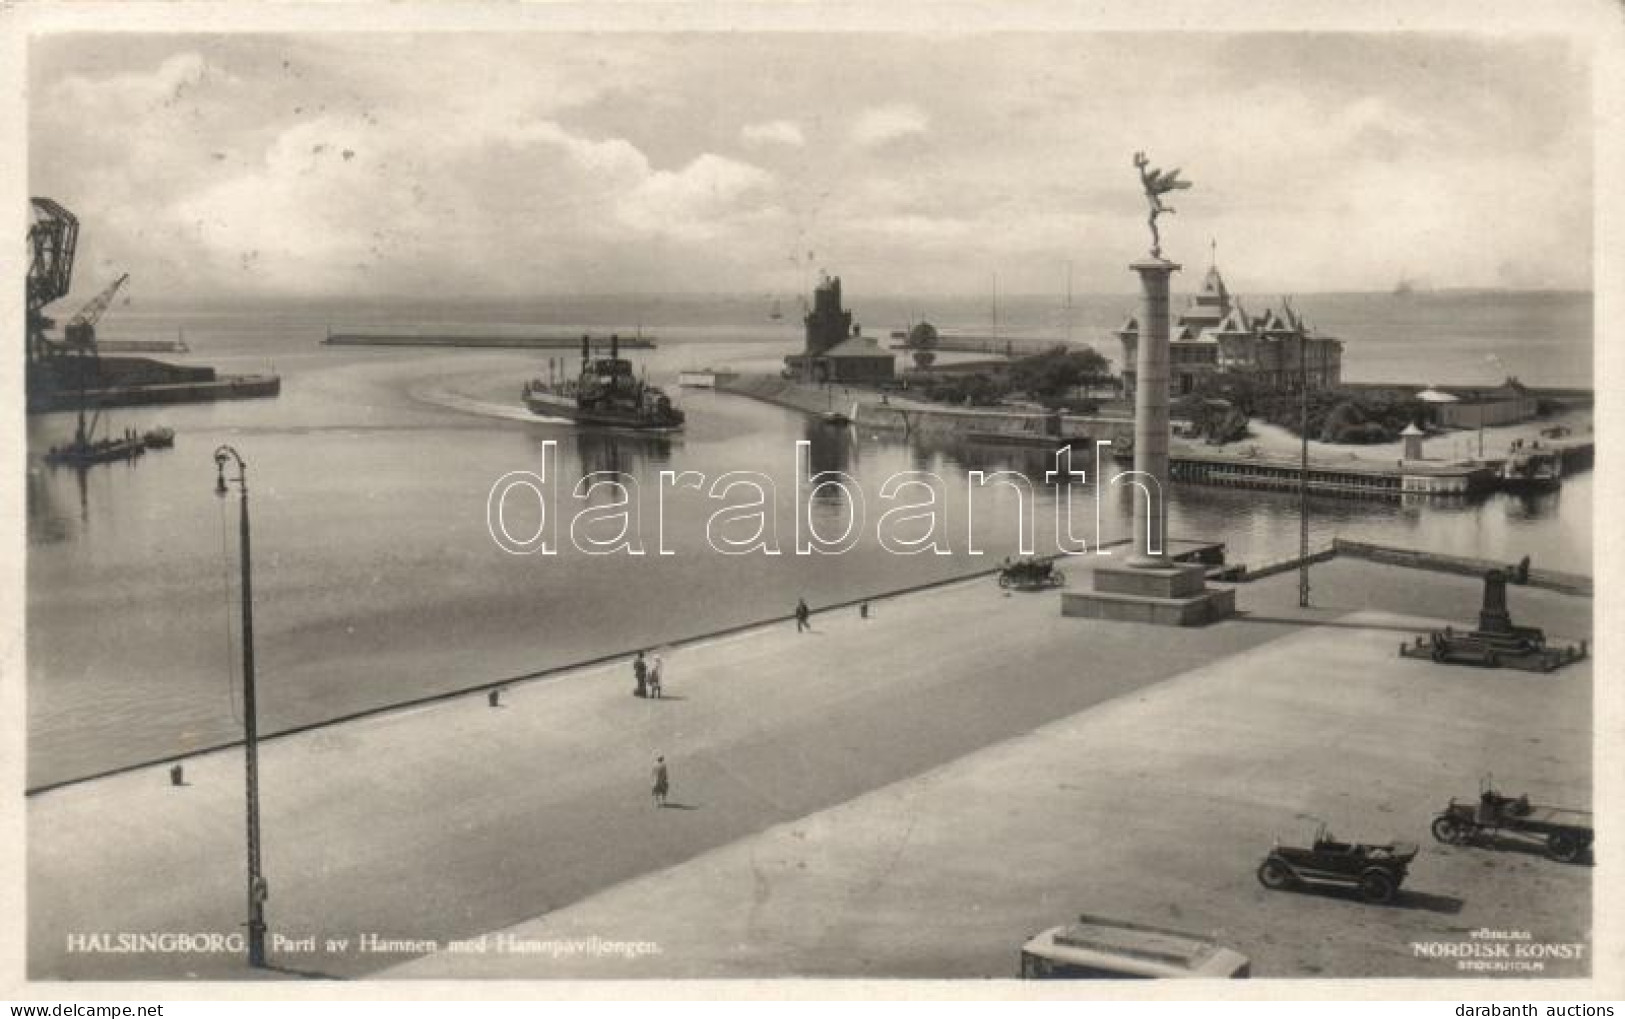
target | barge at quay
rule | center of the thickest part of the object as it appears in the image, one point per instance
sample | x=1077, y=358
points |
x=607, y=393
x=71, y=368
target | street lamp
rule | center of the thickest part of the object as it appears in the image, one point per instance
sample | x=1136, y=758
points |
x=1303, y=461
x=1303, y=468
x=257, y=888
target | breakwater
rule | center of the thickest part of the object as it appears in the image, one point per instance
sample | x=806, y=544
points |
x=203, y=389
x=434, y=339
x=1570, y=396
x=973, y=343
x=1552, y=580
x=143, y=346
x=895, y=413
x=1408, y=558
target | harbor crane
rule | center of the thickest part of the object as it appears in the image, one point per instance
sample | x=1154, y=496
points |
x=81, y=329
x=53, y=234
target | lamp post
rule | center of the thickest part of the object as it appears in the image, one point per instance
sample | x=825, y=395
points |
x=257, y=888
x=1303, y=462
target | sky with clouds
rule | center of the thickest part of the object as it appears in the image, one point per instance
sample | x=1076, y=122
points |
x=470, y=165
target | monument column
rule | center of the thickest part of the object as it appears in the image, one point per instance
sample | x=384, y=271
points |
x=1150, y=587
x=1151, y=414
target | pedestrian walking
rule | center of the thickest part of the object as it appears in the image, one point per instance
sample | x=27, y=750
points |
x=655, y=676
x=662, y=781
x=802, y=615
x=640, y=672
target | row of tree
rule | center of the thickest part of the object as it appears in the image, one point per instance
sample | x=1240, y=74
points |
x=1050, y=378
x=1219, y=409
x=1339, y=415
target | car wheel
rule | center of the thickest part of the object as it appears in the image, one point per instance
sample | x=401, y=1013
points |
x=1563, y=847
x=1445, y=829
x=1275, y=875
x=1375, y=886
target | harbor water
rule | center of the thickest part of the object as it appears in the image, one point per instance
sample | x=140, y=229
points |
x=377, y=578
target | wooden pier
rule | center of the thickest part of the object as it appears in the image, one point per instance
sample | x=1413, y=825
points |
x=1352, y=478
x=1391, y=479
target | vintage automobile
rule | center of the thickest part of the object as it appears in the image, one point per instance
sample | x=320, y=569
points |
x=1566, y=833
x=1095, y=948
x=1030, y=574
x=1376, y=870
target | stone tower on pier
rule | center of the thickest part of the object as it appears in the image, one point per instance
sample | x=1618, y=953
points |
x=827, y=323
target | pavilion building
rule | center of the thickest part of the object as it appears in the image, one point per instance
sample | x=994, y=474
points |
x=1215, y=334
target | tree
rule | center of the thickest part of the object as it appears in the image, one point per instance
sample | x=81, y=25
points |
x=924, y=358
x=1049, y=376
x=922, y=337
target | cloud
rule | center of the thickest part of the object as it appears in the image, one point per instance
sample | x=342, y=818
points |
x=773, y=132
x=166, y=85
x=483, y=165
x=695, y=202
x=883, y=124
x=525, y=201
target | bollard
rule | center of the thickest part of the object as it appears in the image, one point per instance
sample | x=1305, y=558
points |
x=177, y=775
x=494, y=698
x=863, y=611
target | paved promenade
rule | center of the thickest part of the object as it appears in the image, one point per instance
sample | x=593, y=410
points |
x=1156, y=807
x=454, y=820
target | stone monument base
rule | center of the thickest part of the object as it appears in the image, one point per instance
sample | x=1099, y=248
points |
x=1174, y=595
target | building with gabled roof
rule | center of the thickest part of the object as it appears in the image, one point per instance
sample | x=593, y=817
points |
x=1216, y=334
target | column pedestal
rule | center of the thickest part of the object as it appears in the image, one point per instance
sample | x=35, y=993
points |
x=1174, y=595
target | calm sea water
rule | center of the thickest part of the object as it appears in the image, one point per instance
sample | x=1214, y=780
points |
x=377, y=580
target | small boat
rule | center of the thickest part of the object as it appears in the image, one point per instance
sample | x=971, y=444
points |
x=697, y=378
x=158, y=438
x=84, y=453
x=836, y=419
x=1532, y=470
x=86, y=450
x=607, y=393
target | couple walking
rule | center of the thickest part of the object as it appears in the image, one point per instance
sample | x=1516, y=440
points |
x=647, y=675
